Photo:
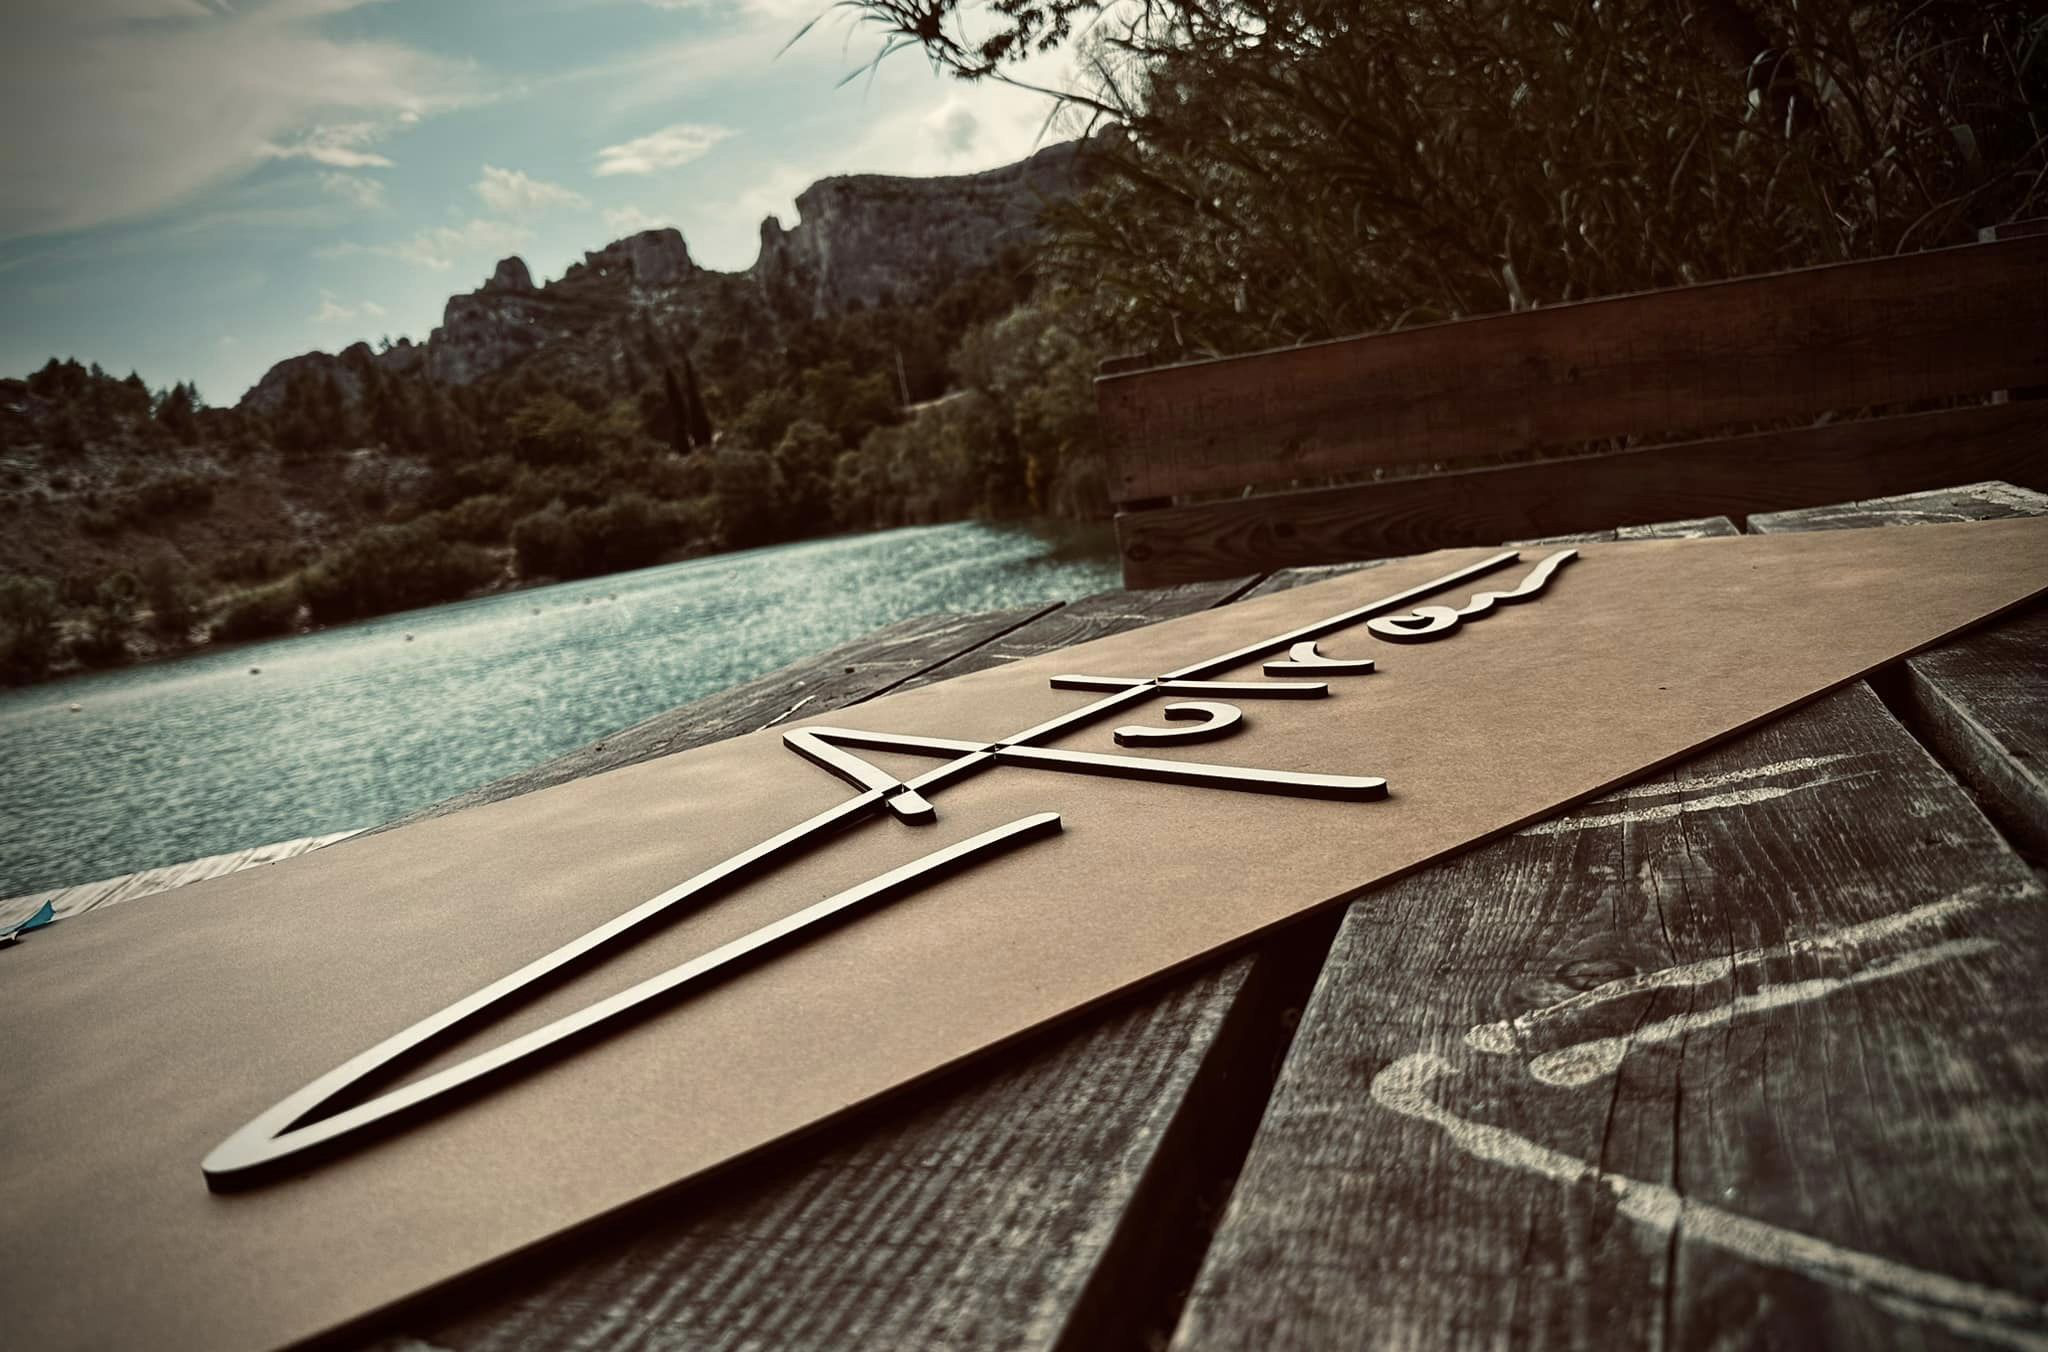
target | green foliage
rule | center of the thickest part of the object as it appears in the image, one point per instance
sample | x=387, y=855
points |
x=483, y=519
x=389, y=568
x=803, y=466
x=630, y=531
x=766, y=417
x=1038, y=371
x=747, y=489
x=173, y=494
x=260, y=612
x=1298, y=169
x=554, y=430
x=169, y=590
x=28, y=627
x=108, y=622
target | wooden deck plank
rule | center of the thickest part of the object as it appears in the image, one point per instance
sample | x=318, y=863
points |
x=1982, y=701
x=149, y=882
x=1747, y=1054
x=1011, y=1206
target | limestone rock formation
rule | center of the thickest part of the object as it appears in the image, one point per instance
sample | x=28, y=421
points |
x=863, y=239
x=860, y=240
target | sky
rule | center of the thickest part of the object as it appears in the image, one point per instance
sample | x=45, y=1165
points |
x=195, y=189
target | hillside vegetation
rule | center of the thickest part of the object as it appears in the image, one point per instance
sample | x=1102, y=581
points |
x=663, y=412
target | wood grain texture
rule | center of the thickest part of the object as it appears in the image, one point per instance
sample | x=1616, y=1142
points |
x=1981, y=702
x=67, y=901
x=1947, y=322
x=1748, y=1054
x=1392, y=1201
x=1013, y=1205
x=1732, y=477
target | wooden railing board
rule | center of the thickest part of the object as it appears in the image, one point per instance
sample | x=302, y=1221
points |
x=1732, y=477
x=1946, y=322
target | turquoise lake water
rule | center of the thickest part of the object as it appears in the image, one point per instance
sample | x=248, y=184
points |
x=354, y=726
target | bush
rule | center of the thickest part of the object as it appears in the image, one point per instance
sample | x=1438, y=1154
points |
x=260, y=612
x=484, y=519
x=170, y=495
x=747, y=487
x=168, y=589
x=389, y=568
x=629, y=532
x=28, y=627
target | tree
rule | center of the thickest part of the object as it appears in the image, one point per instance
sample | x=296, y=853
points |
x=747, y=487
x=177, y=413
x=1296, y=169
x=699, y=416
x=804, y=462
x=677, y=421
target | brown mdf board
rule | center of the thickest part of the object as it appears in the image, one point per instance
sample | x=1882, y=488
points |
x=214, y=1002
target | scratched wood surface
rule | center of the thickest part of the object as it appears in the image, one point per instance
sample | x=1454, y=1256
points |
x=1066, y=1197
x=1748, y=1054
x=1009, y=1206
x=1980, y=701
x=70, y=901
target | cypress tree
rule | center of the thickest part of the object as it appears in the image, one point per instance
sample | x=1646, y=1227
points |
x=700, y=417
x=678, y=413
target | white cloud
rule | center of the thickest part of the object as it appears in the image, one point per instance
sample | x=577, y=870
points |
x=367, y=193
x=164, y=109
x=341, y=145
x=953, y=126
x=669, y=148
x=333, y=311
x=439, y=247
x=630, y=220
x=512, y=190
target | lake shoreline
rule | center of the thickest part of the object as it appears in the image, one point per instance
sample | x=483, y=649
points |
x=511, y=584
x=361, y=722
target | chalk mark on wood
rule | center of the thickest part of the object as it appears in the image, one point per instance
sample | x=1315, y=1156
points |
x=1969, y=1309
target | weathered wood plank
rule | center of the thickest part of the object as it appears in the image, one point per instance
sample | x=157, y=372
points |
x=1011, y=1206
x=1746, y=1054
x=1981, y=702
x=149, y=882
x=1947, y=322
x=854, y=671
x=1731, y=477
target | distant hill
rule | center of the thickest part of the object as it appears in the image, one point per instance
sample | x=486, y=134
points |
x=862, y=242
x=635, y=409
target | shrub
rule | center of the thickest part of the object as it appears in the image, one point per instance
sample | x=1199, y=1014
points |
x=483, y=519
x=748, y=489
x=28, y=627
x=629, y=532
x=167, y=587
x=171, y=494
x=260, y=612
x=389, y=568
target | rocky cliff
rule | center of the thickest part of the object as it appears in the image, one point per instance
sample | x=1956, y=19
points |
x=867, y=238
x=859, y=241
